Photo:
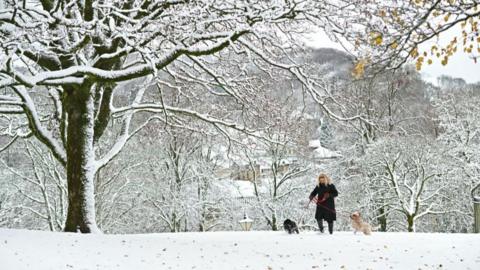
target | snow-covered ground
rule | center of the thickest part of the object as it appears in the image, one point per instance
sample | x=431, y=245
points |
x=22, y=249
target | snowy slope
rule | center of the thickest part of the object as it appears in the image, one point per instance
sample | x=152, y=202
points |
x=21, y=249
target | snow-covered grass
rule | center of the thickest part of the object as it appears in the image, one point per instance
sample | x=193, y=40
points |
x=22, y=249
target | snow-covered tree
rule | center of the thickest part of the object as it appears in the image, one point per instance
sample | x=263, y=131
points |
x=41, y=187
x=78, y=55
x=408, y=176
x=277, y=164
x=457, y=116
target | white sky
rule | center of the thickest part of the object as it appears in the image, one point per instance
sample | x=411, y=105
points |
x=460, y=65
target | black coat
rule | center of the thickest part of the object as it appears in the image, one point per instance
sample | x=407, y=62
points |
x=325, y=208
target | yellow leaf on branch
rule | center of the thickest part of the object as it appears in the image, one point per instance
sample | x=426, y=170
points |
x=446, y=17
x=359, y=68
x=394, y=45
x=414, y=53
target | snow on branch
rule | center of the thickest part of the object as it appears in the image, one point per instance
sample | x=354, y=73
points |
x=71, y=75
x=158, y=108
x=38, y=128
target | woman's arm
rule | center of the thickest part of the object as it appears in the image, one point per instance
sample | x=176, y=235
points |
x=314, y=192
x=333, y=191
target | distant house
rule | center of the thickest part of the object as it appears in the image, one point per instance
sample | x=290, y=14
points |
x=261, y=169
x=246, y=172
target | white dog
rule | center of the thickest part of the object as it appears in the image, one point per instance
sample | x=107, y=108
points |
x=359, y=225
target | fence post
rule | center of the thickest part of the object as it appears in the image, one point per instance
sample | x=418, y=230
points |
x=476, y=210
x=476, y=214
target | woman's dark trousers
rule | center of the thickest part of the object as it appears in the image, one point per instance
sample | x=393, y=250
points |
x=320, y=225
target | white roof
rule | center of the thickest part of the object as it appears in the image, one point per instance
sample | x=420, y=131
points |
x=321, y=152
x=314, y=143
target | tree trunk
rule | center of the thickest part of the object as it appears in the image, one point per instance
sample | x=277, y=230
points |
x=382, y=219
x=80, y=161
x=274, y=222
x=411, y=224
x=174, y=222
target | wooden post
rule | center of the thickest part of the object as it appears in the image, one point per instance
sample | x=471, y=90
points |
x=476, y=214
x=476, y=208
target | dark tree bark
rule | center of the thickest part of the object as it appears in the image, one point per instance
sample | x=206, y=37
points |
x=80, y=160
x=274, y=222
x=410, y=222
x=382, y=219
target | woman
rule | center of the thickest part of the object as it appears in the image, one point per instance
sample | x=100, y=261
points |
x=325, y=192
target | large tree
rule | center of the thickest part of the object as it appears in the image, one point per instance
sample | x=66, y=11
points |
x=74, y=57
x=409, y=176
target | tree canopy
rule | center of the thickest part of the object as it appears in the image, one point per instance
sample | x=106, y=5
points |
x=389, y=33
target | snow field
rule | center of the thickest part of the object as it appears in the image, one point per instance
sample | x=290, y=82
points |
x=260, y=250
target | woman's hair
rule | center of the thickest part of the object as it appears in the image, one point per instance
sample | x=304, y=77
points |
x=324, y=176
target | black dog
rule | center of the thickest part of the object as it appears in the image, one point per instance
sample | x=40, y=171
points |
x=290, y=226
